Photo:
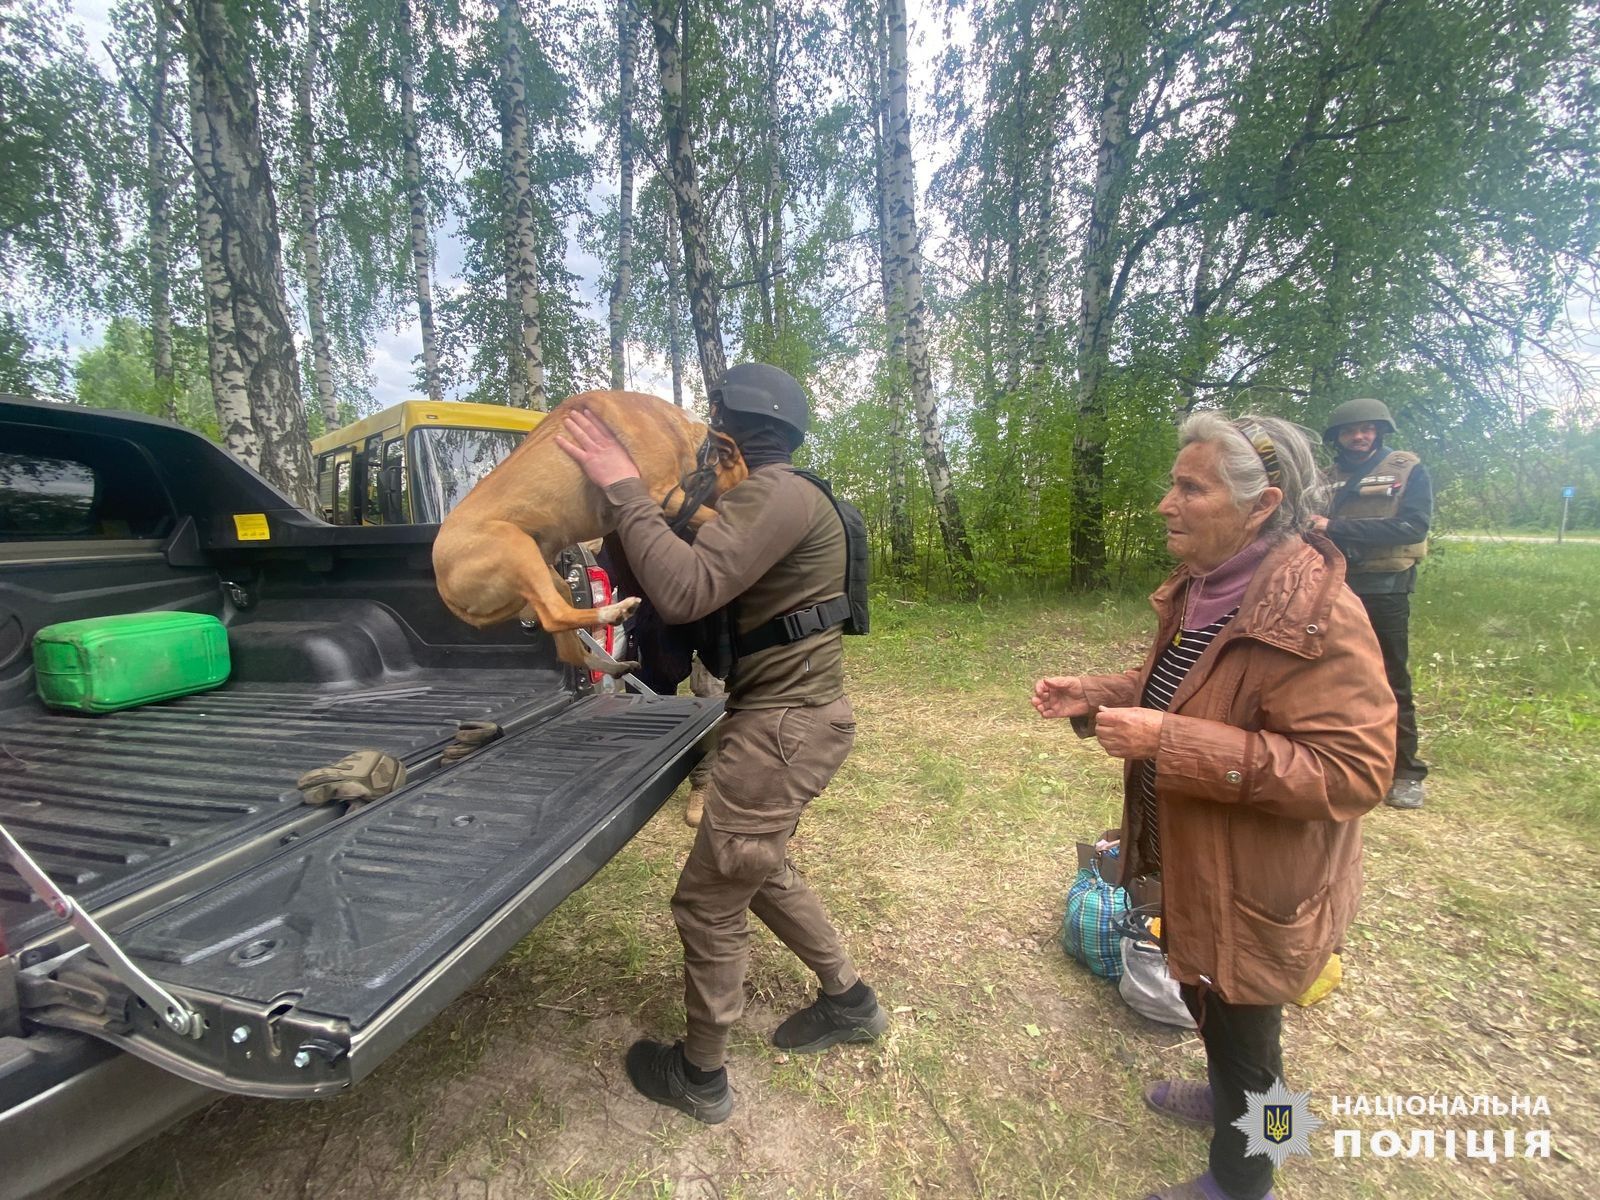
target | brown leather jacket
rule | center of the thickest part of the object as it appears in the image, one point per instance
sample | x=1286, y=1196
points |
x=1280, y=738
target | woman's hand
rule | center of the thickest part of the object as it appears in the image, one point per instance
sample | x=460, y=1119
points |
x=1131, y=733
x=592, y=445
x=1061, y=696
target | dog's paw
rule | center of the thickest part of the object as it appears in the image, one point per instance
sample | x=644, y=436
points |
x=615, y=614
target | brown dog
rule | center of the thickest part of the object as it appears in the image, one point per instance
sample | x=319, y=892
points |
x=492, y=558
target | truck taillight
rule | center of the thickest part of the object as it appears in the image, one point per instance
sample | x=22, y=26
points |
x=600, y=594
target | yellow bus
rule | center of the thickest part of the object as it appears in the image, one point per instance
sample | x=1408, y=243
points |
x=414, y=461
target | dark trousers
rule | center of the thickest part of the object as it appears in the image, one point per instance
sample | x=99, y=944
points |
x=770, y=763
x=1244, y=1053
x=1390, y=614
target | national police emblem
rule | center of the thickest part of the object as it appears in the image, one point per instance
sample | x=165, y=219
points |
x=1278, y=1123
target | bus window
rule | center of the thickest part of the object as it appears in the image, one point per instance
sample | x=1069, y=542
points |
x=371, y=493
x=449, y=462
x=325, y=485
x=394, y=499
x=341, y=494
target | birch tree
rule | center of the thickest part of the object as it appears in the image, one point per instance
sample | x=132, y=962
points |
x=421, y=248
x=159, y=199
x=310, y=243
x=775, y=264
x=910, y=309
x=622, y=284
x=254, y=374
x=875, y=55
x=674, y=296
x=699, y=273
x=524, y=263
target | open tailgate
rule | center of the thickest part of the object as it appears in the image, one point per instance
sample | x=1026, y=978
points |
x=312, y=966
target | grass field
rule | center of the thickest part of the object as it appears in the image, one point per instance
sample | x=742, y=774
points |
x=944, y=848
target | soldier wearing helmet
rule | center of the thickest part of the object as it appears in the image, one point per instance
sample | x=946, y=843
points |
x=777, y=552
x=1382, y=504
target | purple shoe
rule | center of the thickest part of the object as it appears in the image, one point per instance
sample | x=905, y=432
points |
x=1182, y=1100
x=1203, y=1188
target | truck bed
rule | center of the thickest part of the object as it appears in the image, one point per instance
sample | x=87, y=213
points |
x=110, y=804
x=303, y=944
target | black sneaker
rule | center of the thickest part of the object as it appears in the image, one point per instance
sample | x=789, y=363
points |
x=828, y=1022
x=657, y=1073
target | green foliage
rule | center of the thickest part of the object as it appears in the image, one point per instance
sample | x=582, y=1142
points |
x=27, y=369
x=66, y=152
x=119, y=374
x=1309, y=201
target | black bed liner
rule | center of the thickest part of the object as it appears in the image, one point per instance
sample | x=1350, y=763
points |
x=108, y=804
x=346, y=942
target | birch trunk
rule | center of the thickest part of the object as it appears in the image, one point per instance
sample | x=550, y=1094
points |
x=519, y=163
x=421, y=251
x=1017, y=153
x=674, y=303
x=235, y=422
x=1043, y=264
x=1094, y=322
x=775, y=184
x=516, y=364
x=907, y=266
x=901, y=535
x=700, y=276
x=1041, y=267
x=160, y=199
x=623, y=283
x=250, y=333
x=310, y=246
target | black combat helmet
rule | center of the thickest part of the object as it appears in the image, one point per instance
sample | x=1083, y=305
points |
x=1356, y=412
x=764, y=391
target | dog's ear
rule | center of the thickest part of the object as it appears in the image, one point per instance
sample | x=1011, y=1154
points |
x=731, y=469
x=727, y=450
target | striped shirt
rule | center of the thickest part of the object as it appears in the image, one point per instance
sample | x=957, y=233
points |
x=1177, y=659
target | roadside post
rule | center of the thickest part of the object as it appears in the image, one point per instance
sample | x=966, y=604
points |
x=1567, y=493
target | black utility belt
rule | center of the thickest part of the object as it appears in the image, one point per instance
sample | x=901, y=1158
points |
x=792, y=627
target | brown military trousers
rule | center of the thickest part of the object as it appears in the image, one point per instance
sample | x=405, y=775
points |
x=769, y=764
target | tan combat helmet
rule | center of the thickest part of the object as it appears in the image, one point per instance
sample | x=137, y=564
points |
x=1353, y=412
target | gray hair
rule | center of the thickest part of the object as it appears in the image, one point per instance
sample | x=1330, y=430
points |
x=1244, y=468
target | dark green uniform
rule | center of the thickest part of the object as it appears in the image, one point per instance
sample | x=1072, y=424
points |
x=776, y=545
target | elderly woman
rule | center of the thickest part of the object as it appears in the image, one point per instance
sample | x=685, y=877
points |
x=1258, y=731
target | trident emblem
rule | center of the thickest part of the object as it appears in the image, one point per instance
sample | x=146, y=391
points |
x=1278, y=1122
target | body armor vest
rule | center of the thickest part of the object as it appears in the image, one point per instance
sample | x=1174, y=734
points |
x=1378, y=496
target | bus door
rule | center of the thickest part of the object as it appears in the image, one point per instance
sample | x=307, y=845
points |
x=335, y=497
x=393, y=506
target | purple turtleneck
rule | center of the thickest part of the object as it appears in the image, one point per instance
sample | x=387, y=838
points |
x=1217, y=593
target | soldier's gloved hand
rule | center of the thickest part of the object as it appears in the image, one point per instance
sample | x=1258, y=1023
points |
x=360, y=776
x=470, y=736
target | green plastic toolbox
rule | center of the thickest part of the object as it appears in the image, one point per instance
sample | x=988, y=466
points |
x=103, y=664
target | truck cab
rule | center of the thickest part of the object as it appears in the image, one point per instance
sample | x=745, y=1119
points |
x=302, y=943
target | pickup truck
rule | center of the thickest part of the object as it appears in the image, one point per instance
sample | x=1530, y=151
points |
x=225, y=936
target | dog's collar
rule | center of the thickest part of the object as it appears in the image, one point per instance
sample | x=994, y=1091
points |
x=696, y=486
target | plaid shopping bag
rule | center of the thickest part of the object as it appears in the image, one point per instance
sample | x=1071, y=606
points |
x=1089, y=930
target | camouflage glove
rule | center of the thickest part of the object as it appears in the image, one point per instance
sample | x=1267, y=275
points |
x=358, y=777
x=470, y=736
